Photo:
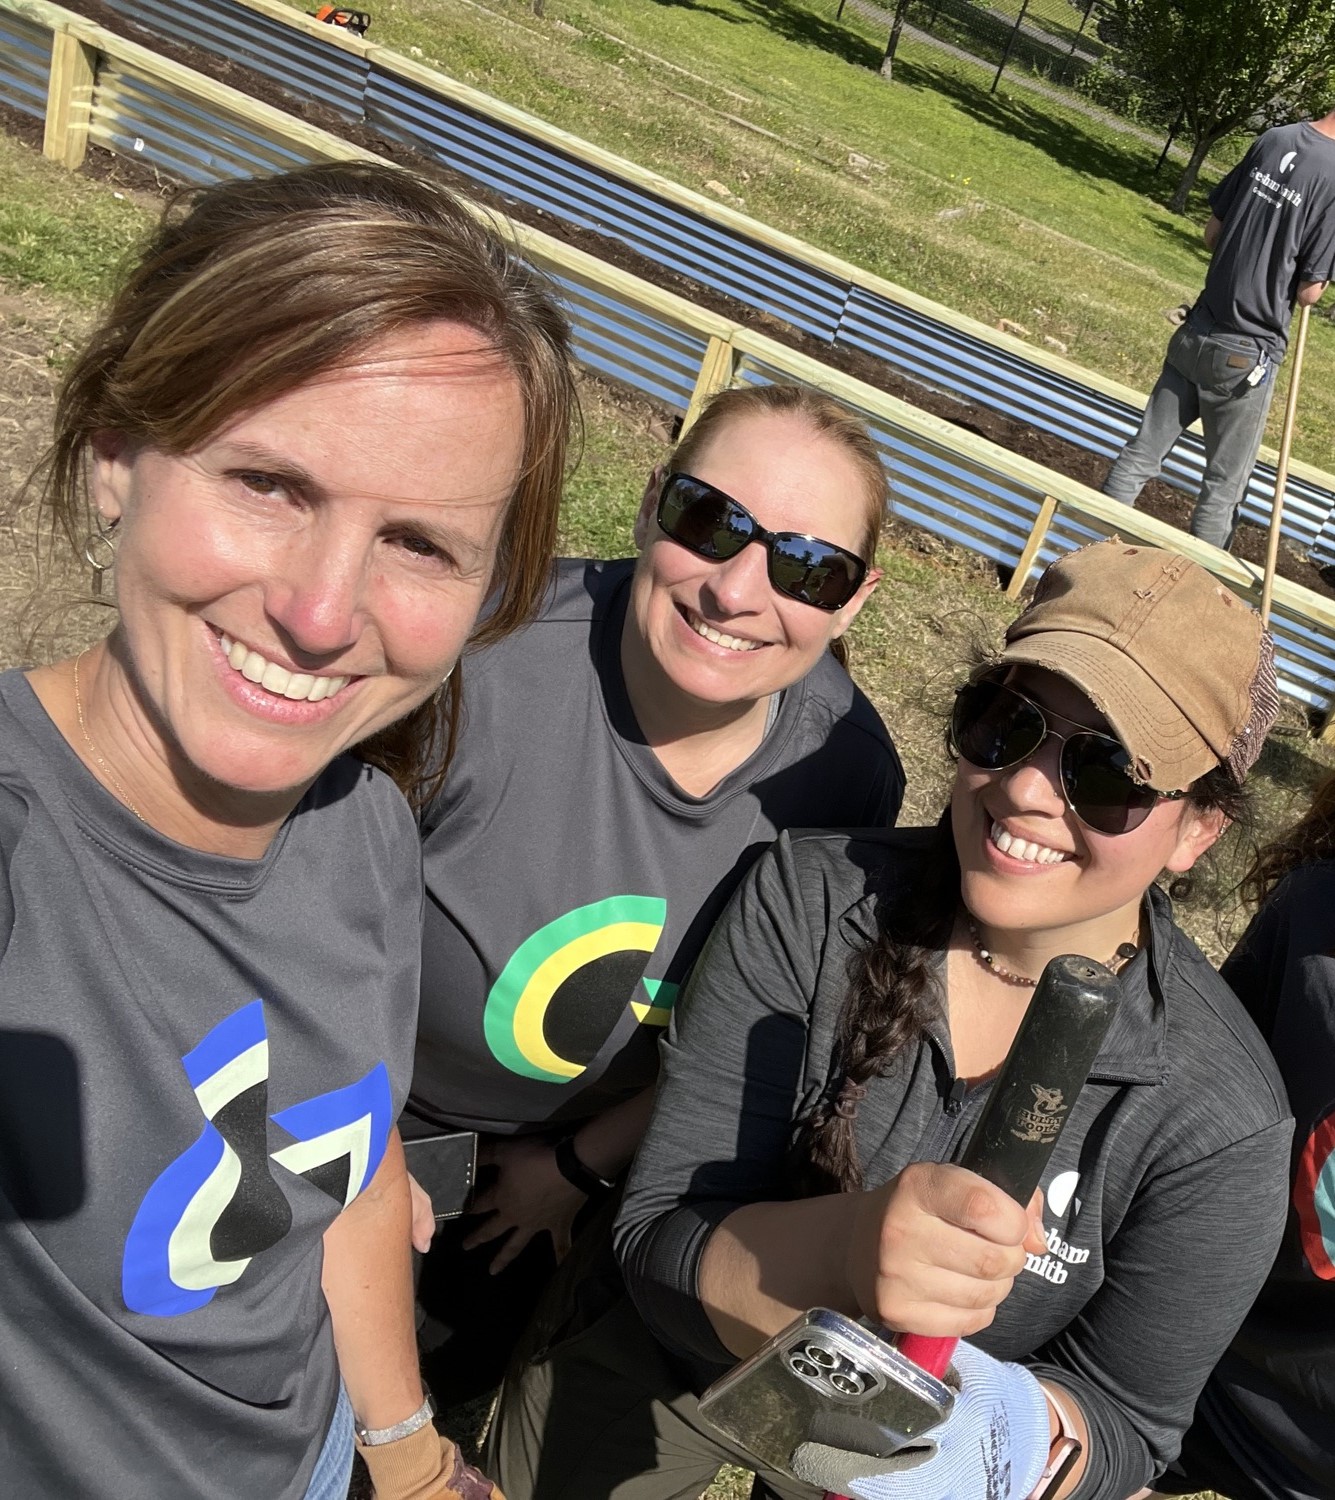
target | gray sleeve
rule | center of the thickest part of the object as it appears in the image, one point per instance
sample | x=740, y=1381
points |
x=1181, y=1272
x=730, y=1080
x=13, y=818
x=1225, y=192
x=1316, y=255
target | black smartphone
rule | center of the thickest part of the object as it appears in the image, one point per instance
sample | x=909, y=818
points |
x=444, y=1165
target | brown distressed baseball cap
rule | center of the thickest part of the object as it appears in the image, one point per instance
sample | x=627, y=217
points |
x=1178, y=664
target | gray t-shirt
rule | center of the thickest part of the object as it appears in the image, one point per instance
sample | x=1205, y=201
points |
x=1163, y=1199
x=1277, y=207
x=200, y=1062
x=571, y=882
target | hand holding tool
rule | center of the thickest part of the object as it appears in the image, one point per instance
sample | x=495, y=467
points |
x=827, y=1389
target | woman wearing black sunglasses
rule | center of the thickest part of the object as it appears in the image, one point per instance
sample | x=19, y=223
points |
x=835, y=1048
x=620, y=764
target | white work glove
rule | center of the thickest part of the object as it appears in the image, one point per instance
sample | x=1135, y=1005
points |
x=994, y=1443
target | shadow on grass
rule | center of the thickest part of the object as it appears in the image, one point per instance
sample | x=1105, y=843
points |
x=1122, y=159
x=1183, y=232
x=1288, y=764
x=795, y=23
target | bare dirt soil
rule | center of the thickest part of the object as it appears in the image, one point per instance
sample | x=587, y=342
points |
x=36, y=334
x=1158, y=499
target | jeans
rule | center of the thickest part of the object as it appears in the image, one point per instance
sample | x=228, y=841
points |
x=333, y=1468
x=1198, y=380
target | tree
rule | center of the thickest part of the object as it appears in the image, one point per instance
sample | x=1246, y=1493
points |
x=892, y=46
x=1228, y=65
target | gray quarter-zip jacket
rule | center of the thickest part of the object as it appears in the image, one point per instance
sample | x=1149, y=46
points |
x=1164, y=1199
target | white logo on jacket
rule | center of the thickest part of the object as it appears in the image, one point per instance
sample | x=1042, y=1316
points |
x=1053, y=1266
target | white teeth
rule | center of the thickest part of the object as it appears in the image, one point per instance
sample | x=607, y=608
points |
x=298, y=686
x=1024, y=849
x=730, y=642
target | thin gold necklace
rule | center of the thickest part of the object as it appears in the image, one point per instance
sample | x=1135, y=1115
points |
x=96, y=753
x=1125, y=953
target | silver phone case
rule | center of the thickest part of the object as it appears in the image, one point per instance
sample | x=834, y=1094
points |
x=825, y=1379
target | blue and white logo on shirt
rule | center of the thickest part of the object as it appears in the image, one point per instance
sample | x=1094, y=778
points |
x=220, y=1203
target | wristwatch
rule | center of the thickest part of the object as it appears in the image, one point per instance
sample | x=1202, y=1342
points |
x=1065, y=1450
x=576, y=1173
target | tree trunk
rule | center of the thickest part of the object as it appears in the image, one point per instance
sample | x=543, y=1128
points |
x=892, y=46
x=1178, y=202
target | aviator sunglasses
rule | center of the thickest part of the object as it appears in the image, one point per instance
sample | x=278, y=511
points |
x=715, y=526
x=994, y=728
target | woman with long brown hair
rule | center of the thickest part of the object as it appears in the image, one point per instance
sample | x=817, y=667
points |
x=836, y=1045
x=323, y=422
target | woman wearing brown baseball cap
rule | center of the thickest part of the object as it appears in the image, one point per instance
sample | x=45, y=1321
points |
x=836, y=1045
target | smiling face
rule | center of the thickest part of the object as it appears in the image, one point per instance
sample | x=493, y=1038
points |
x=718, y=633
x=309, y=574
x=1029, y=866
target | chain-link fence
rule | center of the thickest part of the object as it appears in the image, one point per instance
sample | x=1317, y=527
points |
x=1060, y=52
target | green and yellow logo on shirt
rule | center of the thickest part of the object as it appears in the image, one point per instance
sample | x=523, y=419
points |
x=556, y=1002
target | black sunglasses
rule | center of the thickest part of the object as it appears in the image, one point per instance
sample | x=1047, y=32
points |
x=994, y=728
x=714, y=525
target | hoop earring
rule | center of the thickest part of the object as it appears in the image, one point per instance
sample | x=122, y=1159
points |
x=99, y=551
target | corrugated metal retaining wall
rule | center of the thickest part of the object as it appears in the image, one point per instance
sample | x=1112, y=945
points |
x=25, y=63
x=528, y=170
x=135, y=116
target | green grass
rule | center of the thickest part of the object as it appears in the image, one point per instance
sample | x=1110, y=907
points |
x=61, y=231
x=998, y=206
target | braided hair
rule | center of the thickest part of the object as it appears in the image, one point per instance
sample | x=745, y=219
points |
x=890, y=1001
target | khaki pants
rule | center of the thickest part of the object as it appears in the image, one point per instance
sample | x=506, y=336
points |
x=604, y=1413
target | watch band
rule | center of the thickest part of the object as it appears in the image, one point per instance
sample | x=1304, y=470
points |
x=576, y=1173
x=1065, y=1450
x=375, y=1437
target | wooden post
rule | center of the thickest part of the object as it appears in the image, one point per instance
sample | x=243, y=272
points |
x=1037, y=536
x=716, y=371
x=69, y=100
x=1282, y=467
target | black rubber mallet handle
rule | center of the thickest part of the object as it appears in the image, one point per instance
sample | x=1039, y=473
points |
x=1033, y=1096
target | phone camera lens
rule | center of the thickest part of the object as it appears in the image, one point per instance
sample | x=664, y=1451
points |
x=827, y=1359
x=804, y=1367
x=848, y=1382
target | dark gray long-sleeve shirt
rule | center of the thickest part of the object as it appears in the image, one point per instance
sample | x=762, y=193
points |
x=1164, y=1199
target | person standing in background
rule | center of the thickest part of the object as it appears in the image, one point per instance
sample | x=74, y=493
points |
x=1272, y=234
